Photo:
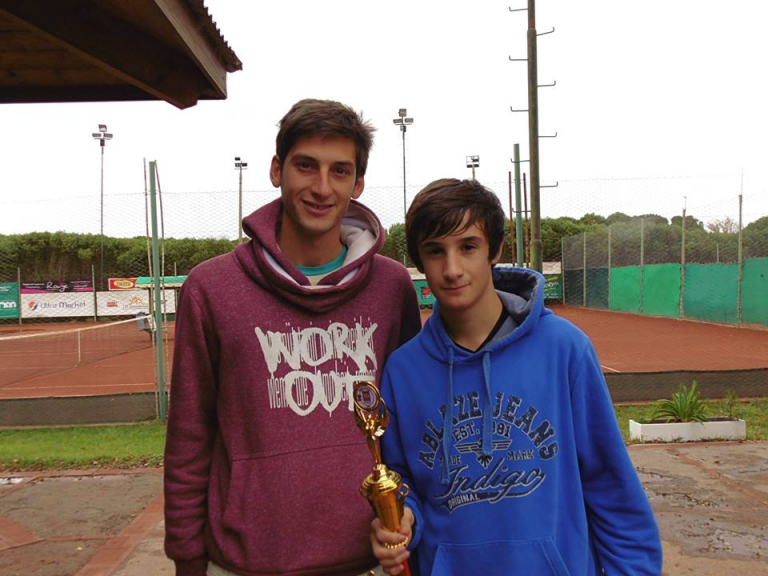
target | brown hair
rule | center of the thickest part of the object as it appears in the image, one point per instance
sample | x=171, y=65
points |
x=439, y=209
x=329, y=119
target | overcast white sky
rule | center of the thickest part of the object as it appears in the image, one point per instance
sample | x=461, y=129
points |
x=668, y=97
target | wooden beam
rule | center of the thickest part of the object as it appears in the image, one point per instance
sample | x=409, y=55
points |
x=48, y=94
x=199, y=48
x=85, y=28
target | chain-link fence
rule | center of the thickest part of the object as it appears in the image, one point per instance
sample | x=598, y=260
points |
x=619, y=245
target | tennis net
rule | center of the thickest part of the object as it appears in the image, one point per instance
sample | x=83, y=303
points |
x=30, y=355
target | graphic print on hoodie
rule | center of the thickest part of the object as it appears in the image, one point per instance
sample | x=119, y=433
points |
x=294, y=359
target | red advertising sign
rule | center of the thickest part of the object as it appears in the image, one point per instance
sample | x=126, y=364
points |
x=122, y=283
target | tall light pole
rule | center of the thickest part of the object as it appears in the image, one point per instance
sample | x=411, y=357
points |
x=240, y=166
x=473, y=162
x=102, y=136
x=403, y=122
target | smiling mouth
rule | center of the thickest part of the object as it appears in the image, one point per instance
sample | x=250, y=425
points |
x=314, y=206
x=454, y=288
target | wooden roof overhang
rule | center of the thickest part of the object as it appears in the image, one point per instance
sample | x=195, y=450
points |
x=112, y=50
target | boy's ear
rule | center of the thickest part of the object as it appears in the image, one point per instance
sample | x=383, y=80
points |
x=495, y=260
x=274, y=171
x=359, y=187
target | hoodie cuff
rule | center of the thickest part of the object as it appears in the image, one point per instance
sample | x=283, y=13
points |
x=194, y=567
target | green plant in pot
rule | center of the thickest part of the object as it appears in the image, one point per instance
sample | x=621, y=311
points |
x=684, y=406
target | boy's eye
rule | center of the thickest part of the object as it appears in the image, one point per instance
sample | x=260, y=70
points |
x=342, y=171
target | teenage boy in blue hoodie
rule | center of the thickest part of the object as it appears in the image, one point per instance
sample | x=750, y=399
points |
x=500, y=419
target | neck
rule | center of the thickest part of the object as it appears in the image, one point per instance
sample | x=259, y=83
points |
x=309, y=251
x=469, y=328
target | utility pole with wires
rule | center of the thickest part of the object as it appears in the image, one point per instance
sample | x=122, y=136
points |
x=533, y=131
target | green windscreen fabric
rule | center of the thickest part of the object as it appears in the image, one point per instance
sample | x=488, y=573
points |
x=661, y=290
x=574, y=287
x=754, y=291
x=625, y=289
x=597, y=287
x=711, y=292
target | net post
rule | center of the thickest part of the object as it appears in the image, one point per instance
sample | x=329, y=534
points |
x=157, y=294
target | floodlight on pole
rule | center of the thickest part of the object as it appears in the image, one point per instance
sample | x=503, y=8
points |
x=403, y=122
x=102, y=136
x=240, y=166
x=473, y=162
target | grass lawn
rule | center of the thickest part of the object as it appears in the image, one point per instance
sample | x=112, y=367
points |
x=116, y=446
x=141, y=445
x=755, y=412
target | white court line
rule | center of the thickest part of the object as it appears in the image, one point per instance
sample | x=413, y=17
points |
x=609, y=368
x=78, y=386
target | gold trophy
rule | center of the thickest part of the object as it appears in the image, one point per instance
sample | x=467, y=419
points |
x=384, y=488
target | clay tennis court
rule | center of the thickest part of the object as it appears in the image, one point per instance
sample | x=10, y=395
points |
x=625, y=343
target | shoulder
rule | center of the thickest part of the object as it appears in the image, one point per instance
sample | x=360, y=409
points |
x=559, y=329
x=210, y=273
x=386, y=265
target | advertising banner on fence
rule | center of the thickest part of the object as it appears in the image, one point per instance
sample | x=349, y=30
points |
x=553, y=287
x=130, y=302
x=122, y=283
x=56, y=286
x=424, y=294
x=9, y=300
x=56, y=305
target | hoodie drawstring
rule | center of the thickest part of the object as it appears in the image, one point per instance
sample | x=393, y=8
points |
x=487, y=443
x=447, y=420
x=487, y=406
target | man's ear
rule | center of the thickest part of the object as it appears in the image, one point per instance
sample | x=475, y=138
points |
x=359, y=186
x=274, y=171
x=495, y=260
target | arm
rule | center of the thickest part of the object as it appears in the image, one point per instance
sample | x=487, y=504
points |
x=191, y=431
x=626, y=537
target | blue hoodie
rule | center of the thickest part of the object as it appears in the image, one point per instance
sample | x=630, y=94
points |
x=532, y=476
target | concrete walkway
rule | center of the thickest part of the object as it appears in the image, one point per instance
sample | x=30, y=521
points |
x=711, y=501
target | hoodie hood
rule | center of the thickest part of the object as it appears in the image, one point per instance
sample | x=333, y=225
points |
x=522, y=294
x=264, y=262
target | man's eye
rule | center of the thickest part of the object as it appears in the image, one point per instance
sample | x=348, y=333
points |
x=341, y=171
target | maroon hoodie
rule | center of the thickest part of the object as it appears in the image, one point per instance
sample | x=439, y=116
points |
x=263, y=460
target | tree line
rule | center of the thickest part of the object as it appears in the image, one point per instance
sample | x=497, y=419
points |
x=69, y=256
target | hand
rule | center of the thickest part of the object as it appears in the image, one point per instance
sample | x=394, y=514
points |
x=391, y=559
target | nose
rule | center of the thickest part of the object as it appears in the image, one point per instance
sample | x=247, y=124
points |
x=452, y=269
x=322, y=183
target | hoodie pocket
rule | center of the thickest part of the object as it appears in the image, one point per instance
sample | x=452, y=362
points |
x=269, y=499
x=511, y=558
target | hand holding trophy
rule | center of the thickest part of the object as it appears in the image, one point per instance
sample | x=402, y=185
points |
x=383, y=488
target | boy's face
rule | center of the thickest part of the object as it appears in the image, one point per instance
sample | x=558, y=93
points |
x=458, y=269
x=317, y=181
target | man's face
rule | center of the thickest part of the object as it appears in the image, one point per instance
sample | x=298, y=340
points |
x=458, y=269
x=317, y=181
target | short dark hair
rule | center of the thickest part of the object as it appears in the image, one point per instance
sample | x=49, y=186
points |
x=329, y=119
x=439, y=209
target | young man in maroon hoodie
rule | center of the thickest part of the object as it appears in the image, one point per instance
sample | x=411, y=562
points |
x=262, y=448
